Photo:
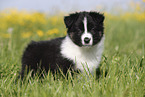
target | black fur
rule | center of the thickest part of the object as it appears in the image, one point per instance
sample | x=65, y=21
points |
x=45, y=55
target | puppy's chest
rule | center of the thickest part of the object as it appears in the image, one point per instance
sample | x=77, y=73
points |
x=87, y=59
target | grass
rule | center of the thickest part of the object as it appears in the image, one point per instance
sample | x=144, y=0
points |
x=123, y=58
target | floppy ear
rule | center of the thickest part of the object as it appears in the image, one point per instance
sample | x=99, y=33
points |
x=99, y=18
x=69, y=20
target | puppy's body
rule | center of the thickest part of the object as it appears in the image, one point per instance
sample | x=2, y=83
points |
x=44, y=55
x=81, y=49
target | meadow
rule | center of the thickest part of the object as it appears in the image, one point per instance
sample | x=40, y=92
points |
x=123, y=57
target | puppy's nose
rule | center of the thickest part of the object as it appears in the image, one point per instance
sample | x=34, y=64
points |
x=87, y=40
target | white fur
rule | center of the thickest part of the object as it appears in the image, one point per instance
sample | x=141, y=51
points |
x=85, y=58
x=86, y=34
x=85, y=24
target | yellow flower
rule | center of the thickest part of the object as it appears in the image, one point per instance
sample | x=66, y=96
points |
x=6, y=35
x=40, y=33
x=26, y=34
x=138, y=8
x=65, y=32
x=143, y=0
x=54, y=20
x=52, y=31
x=140, y=17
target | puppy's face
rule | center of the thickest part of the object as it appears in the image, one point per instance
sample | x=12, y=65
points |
x=85, y=28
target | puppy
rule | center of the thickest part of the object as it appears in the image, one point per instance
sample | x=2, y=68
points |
x=81, y=49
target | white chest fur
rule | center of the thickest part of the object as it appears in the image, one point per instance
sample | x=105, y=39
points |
x=84, y=58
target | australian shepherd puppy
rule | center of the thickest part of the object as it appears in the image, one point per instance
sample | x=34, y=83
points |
x=81, y=49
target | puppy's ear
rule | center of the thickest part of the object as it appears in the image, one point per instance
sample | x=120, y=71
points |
x=99, y=18
x=69, y=20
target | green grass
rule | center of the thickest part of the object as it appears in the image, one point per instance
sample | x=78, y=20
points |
x=123, y=58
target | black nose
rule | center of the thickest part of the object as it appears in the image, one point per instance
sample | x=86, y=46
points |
x=87, y=40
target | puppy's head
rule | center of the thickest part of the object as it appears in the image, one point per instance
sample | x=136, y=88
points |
x=85, y=28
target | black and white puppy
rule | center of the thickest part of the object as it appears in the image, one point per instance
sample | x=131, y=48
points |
x=81, y=49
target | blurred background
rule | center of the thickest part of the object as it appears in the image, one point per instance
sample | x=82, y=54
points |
x=24, y=20
x=55, y=6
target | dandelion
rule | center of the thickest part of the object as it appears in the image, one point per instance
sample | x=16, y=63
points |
x=52, y=31
x=26, y=34
x=40, y=33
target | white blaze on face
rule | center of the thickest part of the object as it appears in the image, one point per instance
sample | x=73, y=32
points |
x=86, y=37
x=85, y=24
